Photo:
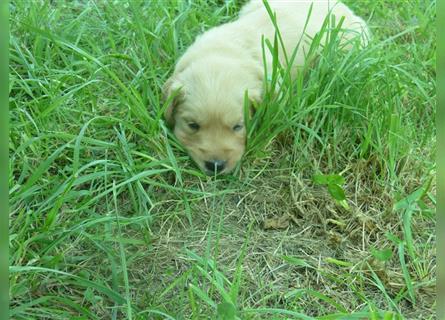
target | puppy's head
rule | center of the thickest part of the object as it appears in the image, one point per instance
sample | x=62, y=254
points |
x=207, y=111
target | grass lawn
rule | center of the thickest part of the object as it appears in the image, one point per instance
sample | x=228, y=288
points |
x=110, y=219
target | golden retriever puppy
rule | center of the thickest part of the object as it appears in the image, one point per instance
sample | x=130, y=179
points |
x=211, y=78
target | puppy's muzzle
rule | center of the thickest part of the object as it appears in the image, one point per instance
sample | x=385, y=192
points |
x=215, y=165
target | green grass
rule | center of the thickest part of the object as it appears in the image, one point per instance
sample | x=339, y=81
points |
x=109, y=217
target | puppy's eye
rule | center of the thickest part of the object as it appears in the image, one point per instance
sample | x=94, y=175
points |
x=194, y=126
x=237, y=127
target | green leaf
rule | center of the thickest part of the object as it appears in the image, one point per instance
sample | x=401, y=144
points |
x=296, y=261
x=405, y=271
x=393, y=238
x=410, y=200
x=320, y=179
x=344, y=204
x=336, y=192
x=338, y=262
x=382, y=255
x=328, y=179
x=407, y=233
x=89, y=295
x=336, y=178
x=226, y=311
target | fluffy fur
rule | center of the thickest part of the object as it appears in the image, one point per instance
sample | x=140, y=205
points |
x=210, y=79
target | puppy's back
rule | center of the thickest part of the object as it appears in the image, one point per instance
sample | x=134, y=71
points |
x=291, y=19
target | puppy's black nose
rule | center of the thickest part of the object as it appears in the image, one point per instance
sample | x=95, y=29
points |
x=215, y=165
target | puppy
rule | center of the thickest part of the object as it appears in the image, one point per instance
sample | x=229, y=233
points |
x=211, y=78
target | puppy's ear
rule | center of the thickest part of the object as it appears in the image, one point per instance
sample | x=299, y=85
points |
x=256, y=85
x=256, y=92
x=172, y=93
x=256, y=95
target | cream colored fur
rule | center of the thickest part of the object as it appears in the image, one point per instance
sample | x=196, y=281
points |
x=210, y=79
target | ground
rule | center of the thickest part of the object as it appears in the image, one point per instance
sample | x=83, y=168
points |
x=331, y=214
